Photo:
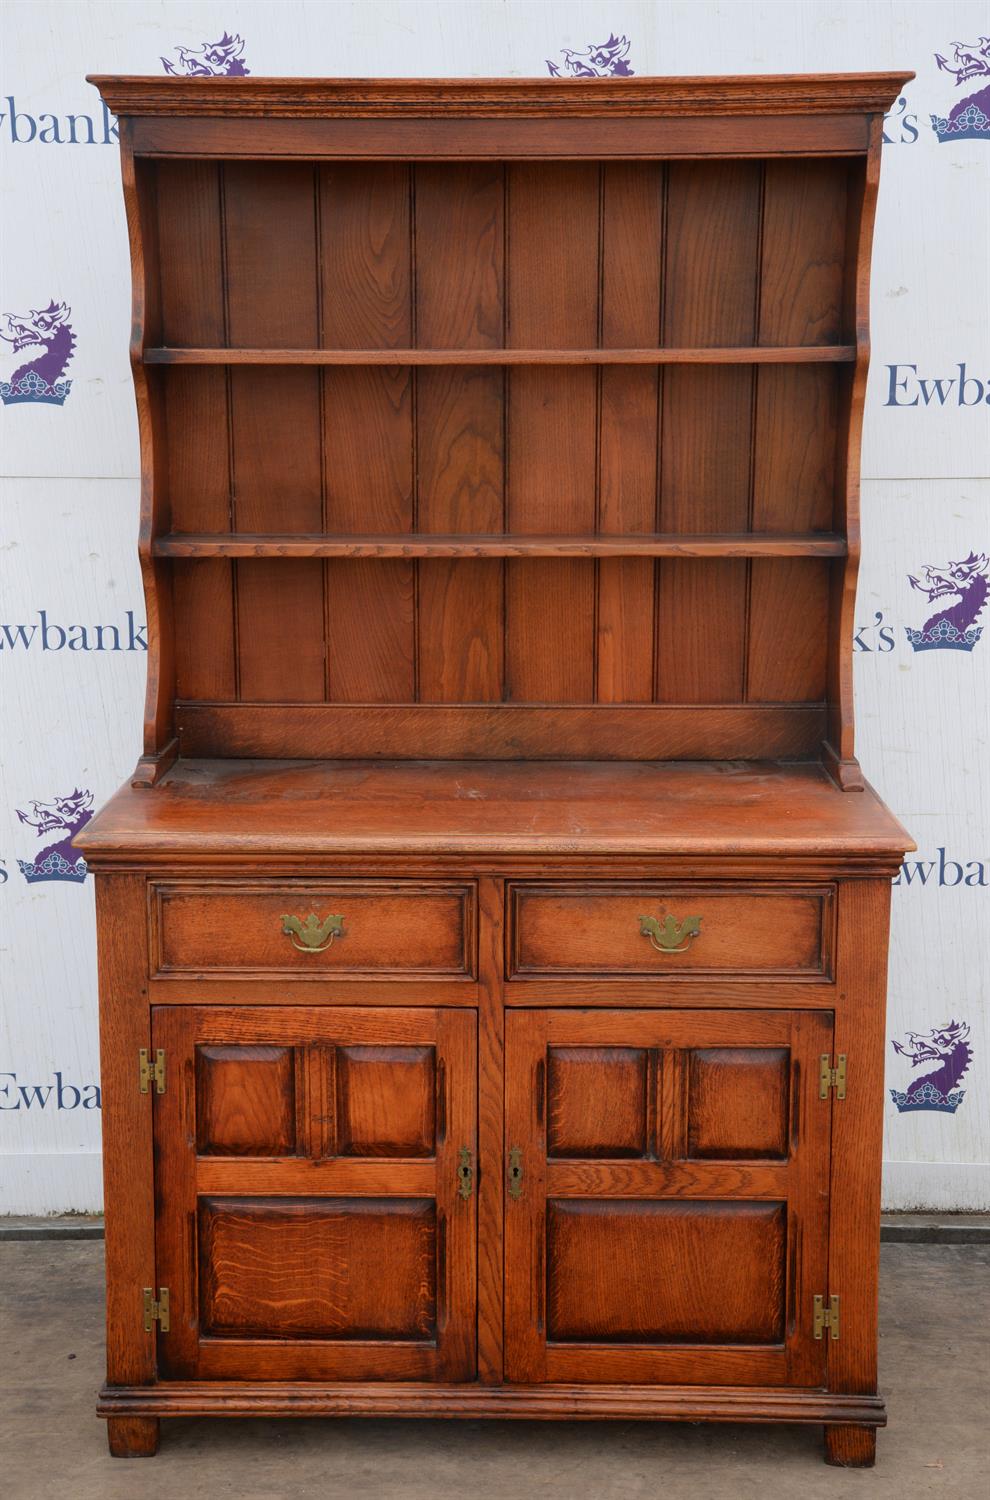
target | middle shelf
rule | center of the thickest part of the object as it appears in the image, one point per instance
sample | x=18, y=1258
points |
x=723, y=544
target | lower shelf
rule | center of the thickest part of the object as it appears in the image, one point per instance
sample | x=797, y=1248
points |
x=547, y=1402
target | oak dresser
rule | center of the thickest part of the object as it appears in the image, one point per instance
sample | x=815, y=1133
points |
x=493, y=936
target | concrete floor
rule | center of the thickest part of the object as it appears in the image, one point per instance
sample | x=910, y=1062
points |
x=934, y=1370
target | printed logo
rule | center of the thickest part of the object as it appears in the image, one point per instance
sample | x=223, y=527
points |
x=969, y=117
x=606, y=60
x=953, y=628
x=912, y=389
x=63, y=815
x=45, y=634
x=943, y=872
x=55, y=130
x=222, y=59
x=58, y=1093
x=947, y=1054
x=40, y=380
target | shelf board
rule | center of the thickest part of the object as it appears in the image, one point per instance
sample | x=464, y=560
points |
x=797, y=354
x=741, y=544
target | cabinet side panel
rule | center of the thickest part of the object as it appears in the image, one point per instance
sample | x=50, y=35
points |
x=128, y=1170
x=857, y=1131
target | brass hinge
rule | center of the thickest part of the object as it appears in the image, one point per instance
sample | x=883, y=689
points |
x=827, y=1317
x=148, y=1070
x=156, y=1312
x=832, y=1078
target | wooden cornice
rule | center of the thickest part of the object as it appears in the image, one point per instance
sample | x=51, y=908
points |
x=383, y=98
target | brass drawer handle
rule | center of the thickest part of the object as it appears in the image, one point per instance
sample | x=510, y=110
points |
x=314, y=936
x=670, y=936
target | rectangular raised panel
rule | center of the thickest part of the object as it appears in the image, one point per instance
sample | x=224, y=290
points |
x=245, y=1101
x=597, y=1102
x=596, y=930
x=386, y=1101
x=272, y=1268
x=397, y=927
x=738, y=1103
x=644, y=1271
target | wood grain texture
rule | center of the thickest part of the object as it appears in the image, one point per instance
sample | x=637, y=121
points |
x=584, y=1401
x=128, y=1174
x=274, y=1263
x=700, y=817
x=472, y=545
x=469, y=355
x=499, y=455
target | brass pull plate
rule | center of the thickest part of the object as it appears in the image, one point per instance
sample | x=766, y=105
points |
x=669, y=935
x=465, y=1173
x=515, y=1172
x=309, y=934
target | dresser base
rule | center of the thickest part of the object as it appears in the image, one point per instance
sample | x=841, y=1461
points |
x=133, y=1412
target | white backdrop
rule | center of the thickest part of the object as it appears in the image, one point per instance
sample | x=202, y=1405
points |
x=72, y=652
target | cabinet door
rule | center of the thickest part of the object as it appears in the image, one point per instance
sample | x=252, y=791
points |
x=315, y=1216
x=667, y=1205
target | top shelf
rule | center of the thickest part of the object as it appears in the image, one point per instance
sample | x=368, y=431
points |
x=750, y=355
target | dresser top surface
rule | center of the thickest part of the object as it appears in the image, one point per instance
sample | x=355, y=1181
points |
x=204, y=807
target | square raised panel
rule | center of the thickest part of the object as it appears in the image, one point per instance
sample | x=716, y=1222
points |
x=597, y=1102
x=317, y=1268
x=738, y=1103
x=649, y=1271
x=386, y=1101
x=245, y=1101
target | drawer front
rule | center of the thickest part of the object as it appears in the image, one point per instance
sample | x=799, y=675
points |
x=654, y=930
x=316, y=929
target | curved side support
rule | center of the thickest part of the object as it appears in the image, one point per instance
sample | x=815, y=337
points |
x=139, y=200
x=839, y=749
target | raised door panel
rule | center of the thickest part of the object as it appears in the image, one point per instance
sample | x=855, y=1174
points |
x=312, y=1218
x=666, y=1216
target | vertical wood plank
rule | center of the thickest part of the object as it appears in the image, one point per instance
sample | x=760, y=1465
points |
x=801, y=288
x=525, y=1216
x=459, y=237
x=787, y=647
x=857, y=1130
x=456, y=1032
x=631, y=259
x=270, y=239
x=193, y=314
x=365, y=288
x=491, y=1160
x=553, y=298
x=128, y=1164
x=710, y=292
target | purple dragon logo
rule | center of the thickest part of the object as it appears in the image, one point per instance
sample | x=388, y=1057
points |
x=220, y=59
x=953, y=628
x=969, y=119
x=948, y=1048
x=40, y=380
x=64, y=815
x=604, y=60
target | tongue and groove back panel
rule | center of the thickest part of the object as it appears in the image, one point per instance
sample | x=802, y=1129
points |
x=486, y=256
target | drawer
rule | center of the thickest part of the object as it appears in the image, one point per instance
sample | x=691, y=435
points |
x=318, y=928
x=641, y=930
